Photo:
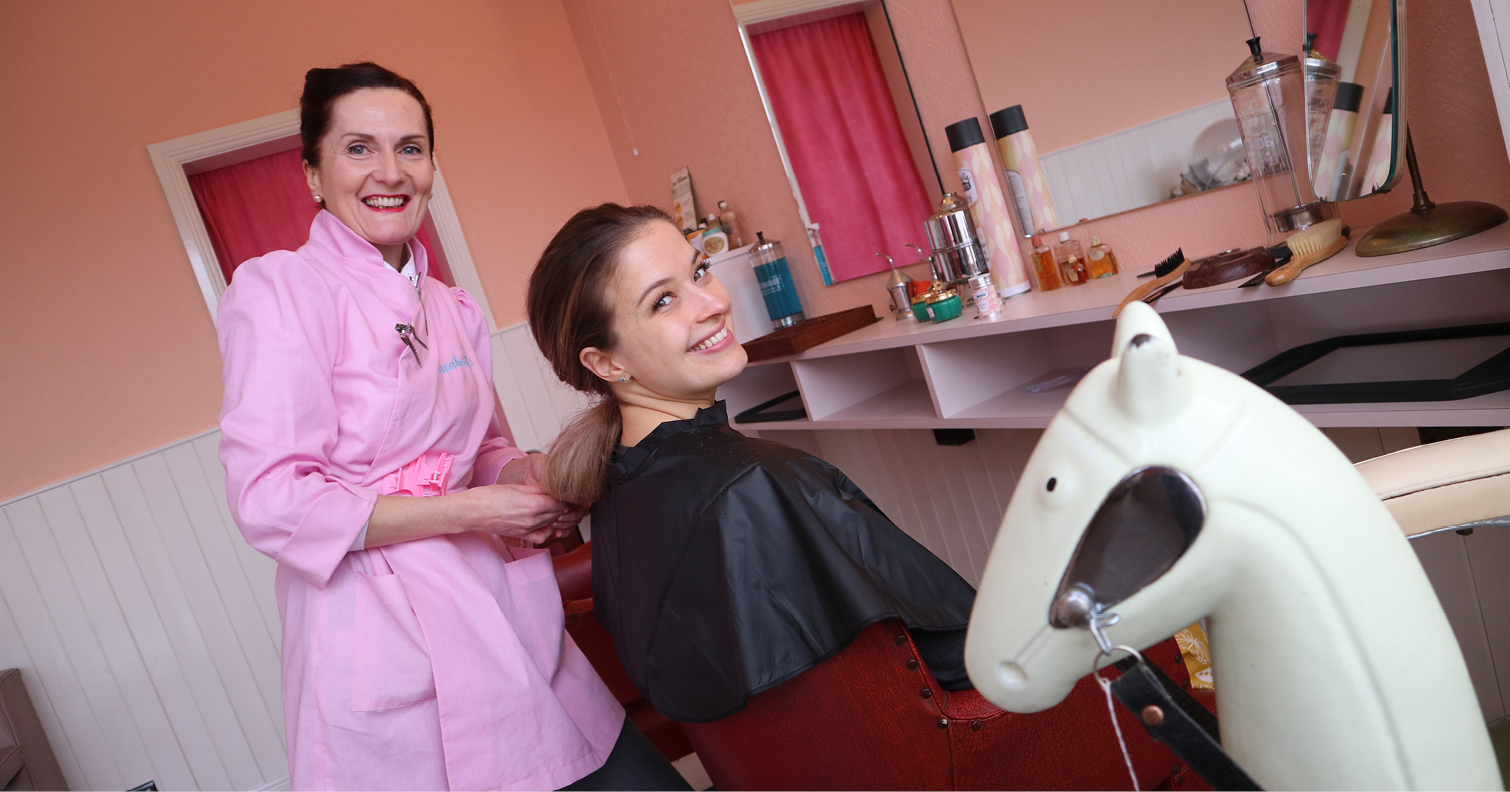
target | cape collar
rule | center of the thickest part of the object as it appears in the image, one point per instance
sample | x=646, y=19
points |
x=627, y=461
x=330, y=233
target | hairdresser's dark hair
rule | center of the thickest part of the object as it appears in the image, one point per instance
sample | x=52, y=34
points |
x=570, y=310
x=322, y=87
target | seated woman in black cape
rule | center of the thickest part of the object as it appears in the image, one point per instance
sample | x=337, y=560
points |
x=722, y=565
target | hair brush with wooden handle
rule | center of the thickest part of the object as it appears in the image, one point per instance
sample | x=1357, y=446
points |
x=1309, y=246
x=1170, y=269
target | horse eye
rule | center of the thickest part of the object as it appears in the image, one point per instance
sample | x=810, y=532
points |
x=1143, y=527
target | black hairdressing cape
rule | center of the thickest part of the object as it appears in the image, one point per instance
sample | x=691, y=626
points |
x=724, y=565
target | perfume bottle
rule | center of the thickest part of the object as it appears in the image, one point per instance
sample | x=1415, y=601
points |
x=1044, y=266
x=1101, y=261
x=1071, y=260
x=730, y=224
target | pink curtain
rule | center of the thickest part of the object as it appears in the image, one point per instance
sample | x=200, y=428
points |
x=1327, y=18
x=846, y=145
x=261, y=205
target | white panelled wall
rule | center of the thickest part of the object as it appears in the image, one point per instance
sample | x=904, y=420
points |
x=148, y=637
x=1135, y=167
x=144, y=626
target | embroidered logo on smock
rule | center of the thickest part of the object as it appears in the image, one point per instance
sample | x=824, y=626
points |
x=455, y=363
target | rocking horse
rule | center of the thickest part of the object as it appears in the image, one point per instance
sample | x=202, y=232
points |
x=1168, y=490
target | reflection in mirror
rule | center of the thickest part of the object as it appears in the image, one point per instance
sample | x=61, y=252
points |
x=838, y=100
x=1114, y=132
x=1356, y=133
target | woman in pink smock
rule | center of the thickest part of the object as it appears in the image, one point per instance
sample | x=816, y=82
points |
x=361, y=453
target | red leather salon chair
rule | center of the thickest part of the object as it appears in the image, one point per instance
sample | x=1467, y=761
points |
x=574, y=576
x=872, y=717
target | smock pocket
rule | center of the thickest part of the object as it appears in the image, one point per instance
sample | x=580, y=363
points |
x=537, y=617
x=390, y=664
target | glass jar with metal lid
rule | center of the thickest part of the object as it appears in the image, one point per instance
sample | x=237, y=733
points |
x=1268, y=94
x=776, y=284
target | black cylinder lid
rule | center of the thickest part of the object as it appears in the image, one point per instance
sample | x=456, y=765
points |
x=1389, y=100
x=1349, y=95
x=1009, y=121
x=964, y=134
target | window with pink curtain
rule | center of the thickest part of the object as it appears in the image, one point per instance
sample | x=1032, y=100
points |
x=263, y=204
x=847, y=148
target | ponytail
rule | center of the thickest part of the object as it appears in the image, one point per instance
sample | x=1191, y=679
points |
x=575, y=467
x=569, y=310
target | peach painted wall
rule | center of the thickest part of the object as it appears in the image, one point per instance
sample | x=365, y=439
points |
x=730, y=150
x=1114, y=65
x=111, y=350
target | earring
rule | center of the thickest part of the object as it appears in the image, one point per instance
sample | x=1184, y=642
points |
x=623, y=379
x=318, y=199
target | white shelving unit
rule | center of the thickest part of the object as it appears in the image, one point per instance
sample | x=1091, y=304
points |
x=967, y=373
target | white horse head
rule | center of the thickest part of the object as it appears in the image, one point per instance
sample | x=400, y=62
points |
x=1168, y=490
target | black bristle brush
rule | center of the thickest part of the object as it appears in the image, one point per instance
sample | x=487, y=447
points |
x=1168, y=270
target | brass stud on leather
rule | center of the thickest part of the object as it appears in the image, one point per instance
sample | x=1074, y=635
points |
x=901, y=639
x=927, y=693
x=1152, y=715
x=912, y=665
x=943, y=723
x=975, y=725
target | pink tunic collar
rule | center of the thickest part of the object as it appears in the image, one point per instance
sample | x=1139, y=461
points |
x=356, y=253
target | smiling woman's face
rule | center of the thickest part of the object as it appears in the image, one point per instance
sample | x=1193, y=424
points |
x=375, y=172
x=671, y=318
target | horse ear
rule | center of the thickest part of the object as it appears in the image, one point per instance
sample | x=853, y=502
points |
x=1150, y=385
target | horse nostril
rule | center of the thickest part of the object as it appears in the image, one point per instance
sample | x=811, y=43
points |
x=1011, y=674
x=1140, y=339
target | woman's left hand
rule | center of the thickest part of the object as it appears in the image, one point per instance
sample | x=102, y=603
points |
x=531, y=470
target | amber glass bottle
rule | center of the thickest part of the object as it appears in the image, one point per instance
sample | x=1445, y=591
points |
x=1101, y=259
x=1044, y=266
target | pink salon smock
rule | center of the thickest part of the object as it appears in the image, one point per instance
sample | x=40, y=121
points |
x=432, y=664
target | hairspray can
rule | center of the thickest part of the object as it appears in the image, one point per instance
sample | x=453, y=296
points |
x=1382, y=155
x=1339, y=138
x=1030, y=191
x=977, y=174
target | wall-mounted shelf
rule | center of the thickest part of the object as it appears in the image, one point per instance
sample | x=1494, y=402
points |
x=968, y=373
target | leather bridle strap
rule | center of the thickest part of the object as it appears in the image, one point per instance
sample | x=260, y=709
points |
x=1171, y=716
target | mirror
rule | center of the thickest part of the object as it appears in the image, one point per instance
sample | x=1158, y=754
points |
x=1356, y=140
x=1116, y=137
x=1114, y=94
x=839, y=102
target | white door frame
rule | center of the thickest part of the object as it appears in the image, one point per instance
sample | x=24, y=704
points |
x=170, y=156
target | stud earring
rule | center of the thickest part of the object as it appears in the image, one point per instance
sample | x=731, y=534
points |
x=623, y=379
x=318, y=199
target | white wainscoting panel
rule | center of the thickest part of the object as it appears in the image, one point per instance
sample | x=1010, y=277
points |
x=1125, y=170
x=145, y=626
x=536, y=403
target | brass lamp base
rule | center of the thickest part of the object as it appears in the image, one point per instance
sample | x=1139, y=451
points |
x=1428, y=223
x=1437, y=224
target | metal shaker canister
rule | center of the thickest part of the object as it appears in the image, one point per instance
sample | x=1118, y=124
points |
x=957, y=254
